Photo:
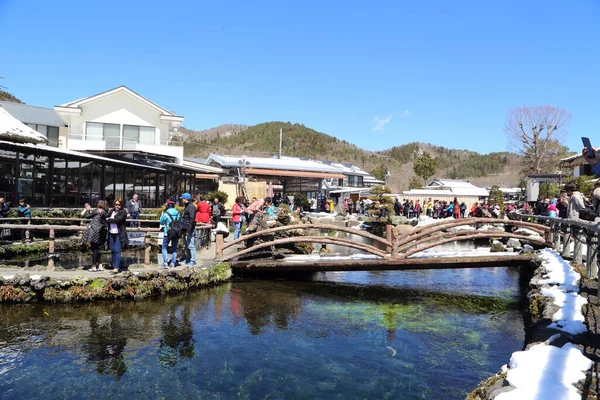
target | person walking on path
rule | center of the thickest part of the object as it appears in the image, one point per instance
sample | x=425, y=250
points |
x=216, y=211
x=168, y=216
x=24, y=211
x=188, y=229
x=95, y=234
x=203, y=211
x=117, y=233
x=134, y=208
x=236, y=217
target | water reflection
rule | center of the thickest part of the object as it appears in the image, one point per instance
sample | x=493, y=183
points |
x=259, y=339
x=105, y=344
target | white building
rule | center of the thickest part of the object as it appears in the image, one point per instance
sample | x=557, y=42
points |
x=119, y=119
x=447, y=189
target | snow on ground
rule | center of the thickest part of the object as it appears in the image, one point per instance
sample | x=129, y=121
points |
x=544, y=371
x=334, y=257
x=478, y=252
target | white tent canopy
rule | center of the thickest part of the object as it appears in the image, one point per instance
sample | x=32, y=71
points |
x=12, y=130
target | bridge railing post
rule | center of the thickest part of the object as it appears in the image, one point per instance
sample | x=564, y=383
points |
x=577, y=244
x=219, y=241
x=390, y=238
x=147, y=249
x=591, y=264
x=51, y=250
x=566, y=250
x=556, y=232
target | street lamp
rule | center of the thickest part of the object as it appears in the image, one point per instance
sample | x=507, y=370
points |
x=243, y=163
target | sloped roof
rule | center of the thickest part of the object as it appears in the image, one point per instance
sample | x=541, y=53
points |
x=13, y=130
x=453, y=183
x=31, y=114
x=124, y=89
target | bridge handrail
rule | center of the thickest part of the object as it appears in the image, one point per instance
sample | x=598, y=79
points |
x=308, y=239
x=307, y=226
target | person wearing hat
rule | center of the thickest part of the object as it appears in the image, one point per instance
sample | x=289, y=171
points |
x=169, y=215
x=188, y=229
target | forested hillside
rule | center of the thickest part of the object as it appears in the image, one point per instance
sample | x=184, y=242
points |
x=5, y=96
x=300, y=141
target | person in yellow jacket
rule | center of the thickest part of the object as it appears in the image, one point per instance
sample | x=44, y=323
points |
x=429, y=210
x=331, y=205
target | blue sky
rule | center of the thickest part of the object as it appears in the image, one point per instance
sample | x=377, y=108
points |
x=376, y=74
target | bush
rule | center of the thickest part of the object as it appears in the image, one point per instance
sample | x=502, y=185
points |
x=222, y=196
x=302, y=201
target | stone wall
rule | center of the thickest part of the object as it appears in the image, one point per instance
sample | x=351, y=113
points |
x=36, y=288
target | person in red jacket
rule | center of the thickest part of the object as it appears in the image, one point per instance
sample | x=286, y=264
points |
x=236, y=217
x=203, y=211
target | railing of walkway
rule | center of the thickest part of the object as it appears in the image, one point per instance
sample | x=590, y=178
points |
x=26, y=225
x=564, y=231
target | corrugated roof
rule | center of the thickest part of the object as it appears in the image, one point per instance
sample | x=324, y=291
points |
x=284, y=163
x=32, y=115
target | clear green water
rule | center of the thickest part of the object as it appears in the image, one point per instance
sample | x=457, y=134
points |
x=387, y=335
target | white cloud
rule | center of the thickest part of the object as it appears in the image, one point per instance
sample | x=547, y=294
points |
x=380, y=122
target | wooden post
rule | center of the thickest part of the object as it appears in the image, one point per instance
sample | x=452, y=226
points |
x=566, y=250
x=389, y=237
x=577, y=238
x=219, y=244
x=28, y=233
x=592, y=256
x=51, y=251
x=147, y=249
x=556, y=230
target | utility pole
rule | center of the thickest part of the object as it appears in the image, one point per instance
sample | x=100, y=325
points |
x=280, y=141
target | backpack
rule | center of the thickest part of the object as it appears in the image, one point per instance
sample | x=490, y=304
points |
x=174, y=230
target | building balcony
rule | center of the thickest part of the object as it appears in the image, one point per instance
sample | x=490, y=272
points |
x=76, y=142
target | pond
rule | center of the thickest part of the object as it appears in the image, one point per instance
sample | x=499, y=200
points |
x=396, y=335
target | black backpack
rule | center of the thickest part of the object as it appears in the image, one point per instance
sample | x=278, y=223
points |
x=174, y=230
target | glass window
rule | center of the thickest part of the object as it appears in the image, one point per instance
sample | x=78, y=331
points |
x=94, y=131
x=7, y=174
x=59, y=182
x=43, y=129
x=40, y=183
x=112, y=136
x=25, y=183
x=73, y=168
x=147, y=134
x=131, y=135
x=53, y=136
x=109, y=184
x=120, y=189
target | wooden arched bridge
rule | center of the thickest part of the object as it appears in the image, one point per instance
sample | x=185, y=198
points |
x=392, y=252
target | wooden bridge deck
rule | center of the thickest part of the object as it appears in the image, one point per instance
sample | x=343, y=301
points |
x=383, y=264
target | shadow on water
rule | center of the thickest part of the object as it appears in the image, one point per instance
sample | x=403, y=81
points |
x=258, y=339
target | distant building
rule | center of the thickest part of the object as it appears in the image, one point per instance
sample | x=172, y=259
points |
x=447, y=189
x=533, y=181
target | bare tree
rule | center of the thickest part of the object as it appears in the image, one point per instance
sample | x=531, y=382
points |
x=537, y=133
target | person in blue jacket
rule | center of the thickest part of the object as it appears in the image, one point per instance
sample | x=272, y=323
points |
x=24, y=211
x=168, y=216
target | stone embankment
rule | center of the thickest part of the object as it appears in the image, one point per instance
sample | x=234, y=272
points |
x=562, y=316
x=24, y=288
